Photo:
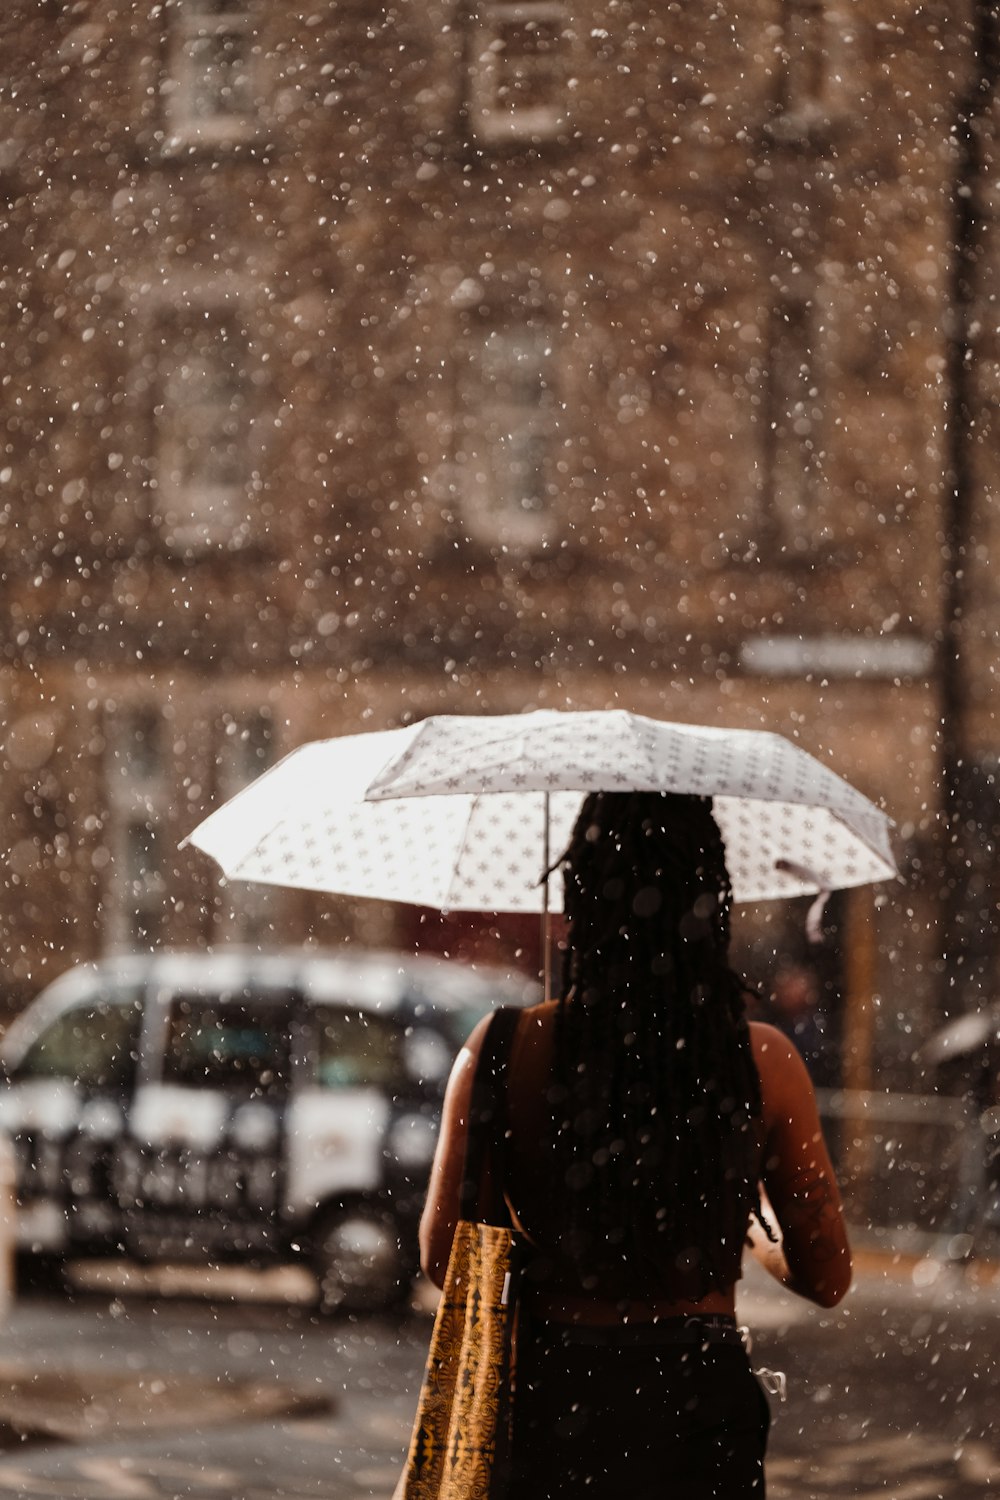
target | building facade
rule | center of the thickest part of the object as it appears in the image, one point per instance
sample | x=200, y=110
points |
x=368, y=361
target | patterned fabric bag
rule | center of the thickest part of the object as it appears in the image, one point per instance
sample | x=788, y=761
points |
x=460, y=1447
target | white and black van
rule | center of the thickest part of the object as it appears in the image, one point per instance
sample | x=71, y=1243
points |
x=239, y=1106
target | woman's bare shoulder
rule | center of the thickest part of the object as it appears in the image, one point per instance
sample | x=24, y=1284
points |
x=784, y=1080
x=768, y=1042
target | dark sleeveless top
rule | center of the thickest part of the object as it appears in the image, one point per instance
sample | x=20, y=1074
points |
x=526, y=1187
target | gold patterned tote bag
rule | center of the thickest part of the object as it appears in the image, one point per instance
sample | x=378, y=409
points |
x=460, y=1447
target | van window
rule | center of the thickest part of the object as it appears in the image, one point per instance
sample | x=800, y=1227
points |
x=226, y=1043
x=96, y=1044
x=357, y=1051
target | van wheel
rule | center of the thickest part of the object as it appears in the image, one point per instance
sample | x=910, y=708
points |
x=358, y=1261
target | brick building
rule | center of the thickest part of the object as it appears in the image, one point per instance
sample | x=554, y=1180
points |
x=365, y=361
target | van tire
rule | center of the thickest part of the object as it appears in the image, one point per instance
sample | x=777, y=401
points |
x=358, y=1259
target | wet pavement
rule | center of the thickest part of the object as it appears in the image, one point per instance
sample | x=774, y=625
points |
x=894, y=1394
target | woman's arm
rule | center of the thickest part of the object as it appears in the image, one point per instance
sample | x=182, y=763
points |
x=813, y=1257
x=440, y=1215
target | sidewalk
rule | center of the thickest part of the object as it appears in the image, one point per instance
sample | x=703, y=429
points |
x=42, y=1401
x=45, y=1406
x=55, y=1398
x=132, y=1393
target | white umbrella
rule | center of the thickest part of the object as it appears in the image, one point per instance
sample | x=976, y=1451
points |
x=460, y=812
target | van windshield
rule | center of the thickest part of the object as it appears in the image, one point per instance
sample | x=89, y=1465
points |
x=95, y=1044
x=227, y=1043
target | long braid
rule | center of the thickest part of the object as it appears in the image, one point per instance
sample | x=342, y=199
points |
x=657, y=1096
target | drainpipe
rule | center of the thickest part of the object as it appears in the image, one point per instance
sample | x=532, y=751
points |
x=961, y=806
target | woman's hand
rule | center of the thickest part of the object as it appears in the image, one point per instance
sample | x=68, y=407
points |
x=769, y=1253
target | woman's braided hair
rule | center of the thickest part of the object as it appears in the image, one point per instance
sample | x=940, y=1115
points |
x=657, y=1096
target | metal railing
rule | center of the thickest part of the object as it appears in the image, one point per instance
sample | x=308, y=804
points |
x=918, y=1171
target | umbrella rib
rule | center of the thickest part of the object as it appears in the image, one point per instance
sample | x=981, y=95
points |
x=457, y=864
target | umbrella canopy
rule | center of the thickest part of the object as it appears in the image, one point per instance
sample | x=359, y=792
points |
x=457, y=812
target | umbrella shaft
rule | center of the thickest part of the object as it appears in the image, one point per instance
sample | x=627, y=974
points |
x=546, y=948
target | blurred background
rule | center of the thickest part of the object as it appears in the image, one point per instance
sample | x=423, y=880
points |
x=366, y=361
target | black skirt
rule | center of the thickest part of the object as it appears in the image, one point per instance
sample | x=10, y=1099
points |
x=644, y=1411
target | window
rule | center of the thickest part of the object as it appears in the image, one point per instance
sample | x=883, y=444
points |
x=137, y=795
x=205, y=462
x=243, y=752
x=505, y=449
x=518, y=83
x=230, y=1043
x=796, y=426
x=139, y=755
x=803, y=61
x=143, y=881
x=95, y=1045
x=357, y=1051
x=212, y=86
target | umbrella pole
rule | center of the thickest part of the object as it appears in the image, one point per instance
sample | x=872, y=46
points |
x=546, y=950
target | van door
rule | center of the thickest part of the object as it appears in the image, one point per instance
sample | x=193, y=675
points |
x=352, y=1070
x=65, y=1109
x=205, y=1171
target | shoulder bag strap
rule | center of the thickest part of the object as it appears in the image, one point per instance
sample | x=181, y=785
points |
x=488, y=1115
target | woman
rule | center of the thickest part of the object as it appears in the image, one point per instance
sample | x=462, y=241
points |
x=647, y=1119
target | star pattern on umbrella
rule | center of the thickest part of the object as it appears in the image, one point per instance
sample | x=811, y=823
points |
x=460, y=804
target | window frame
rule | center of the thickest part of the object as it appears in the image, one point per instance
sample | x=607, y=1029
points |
x=134, y=801
x=190, y=22
x=491, y=122
x=248, y=908
x=485, y=459
x=192, y=515
x=797, y=484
